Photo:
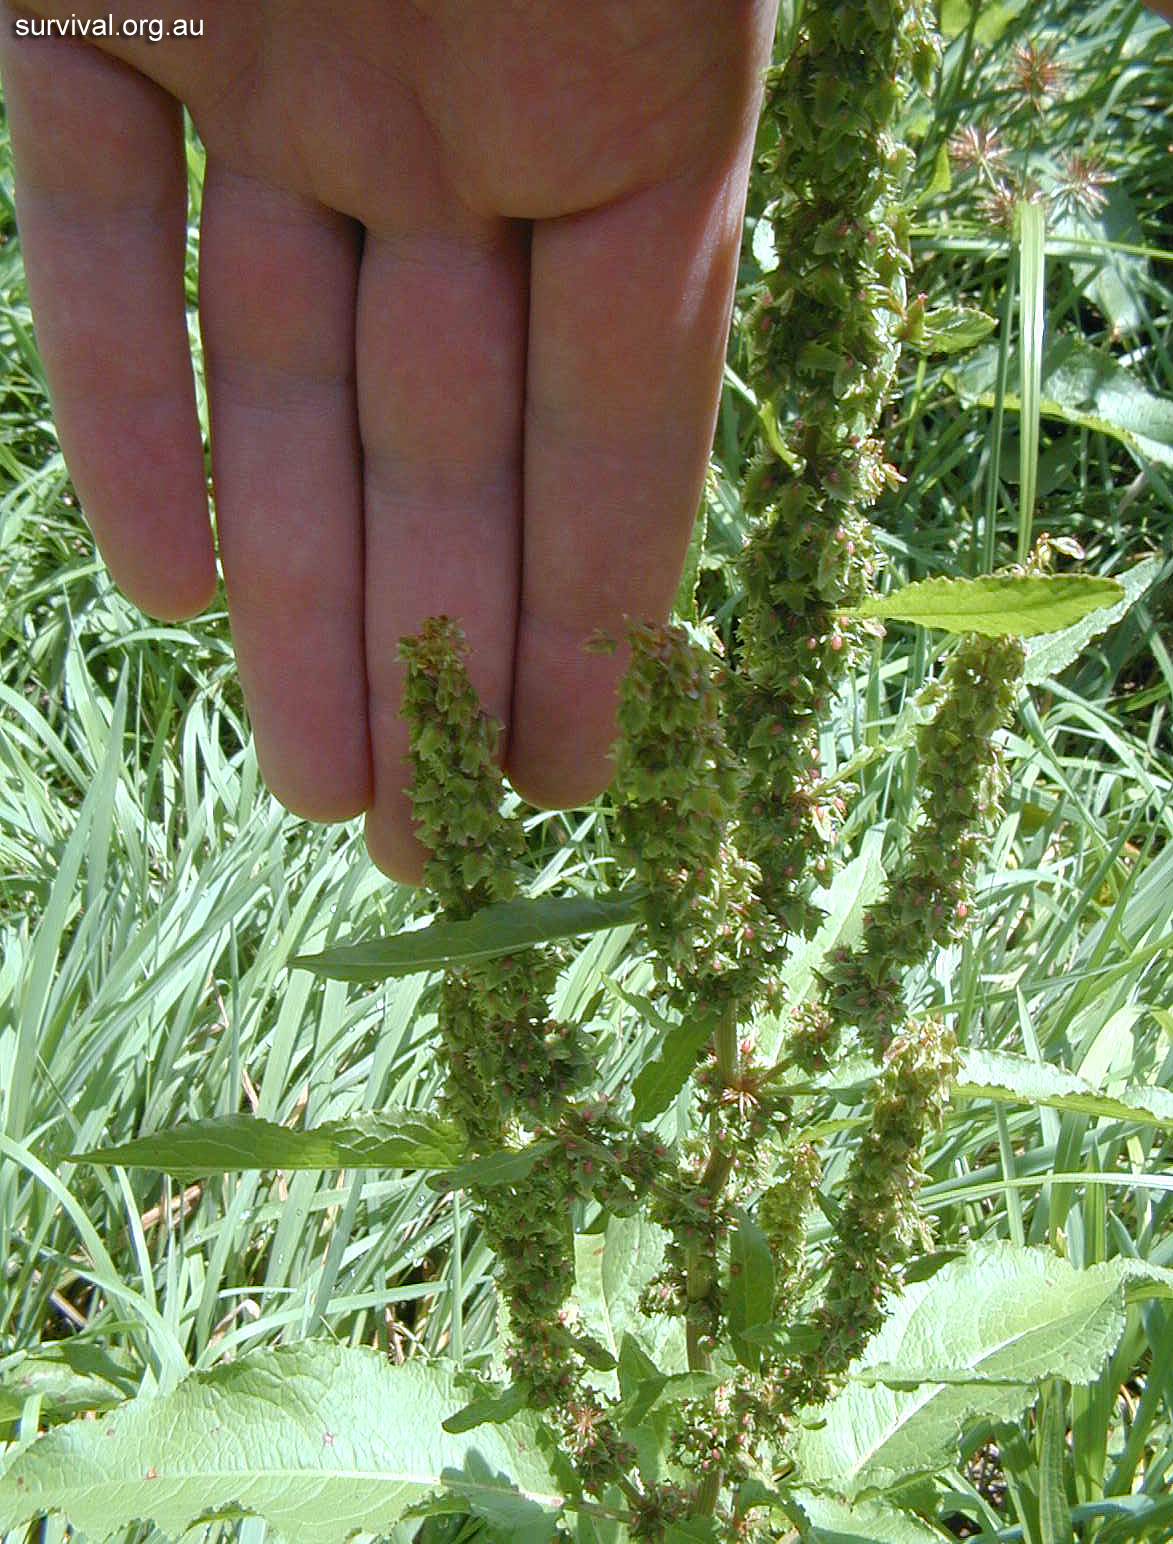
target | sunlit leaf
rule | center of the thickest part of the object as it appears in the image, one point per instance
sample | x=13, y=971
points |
x=496, y=930
x=1000, y=606
x=319, y=1440
x=230, y=1144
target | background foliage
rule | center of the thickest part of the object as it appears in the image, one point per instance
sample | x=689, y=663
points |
x=152, y=895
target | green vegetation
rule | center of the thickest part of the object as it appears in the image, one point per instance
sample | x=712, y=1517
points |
x=931, y=1053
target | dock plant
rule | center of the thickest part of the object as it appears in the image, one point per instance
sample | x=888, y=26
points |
x=672, y=1342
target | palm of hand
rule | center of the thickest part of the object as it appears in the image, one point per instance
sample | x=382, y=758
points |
x=465, y=278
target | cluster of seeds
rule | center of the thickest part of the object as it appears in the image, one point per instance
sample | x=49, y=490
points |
x=677, y=786
x=929, y=899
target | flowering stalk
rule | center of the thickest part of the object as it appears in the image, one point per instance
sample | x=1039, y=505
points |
x=715, y=943
x=823, y=339
x=879, y=1222
x=511, y=1071
x=929, y=898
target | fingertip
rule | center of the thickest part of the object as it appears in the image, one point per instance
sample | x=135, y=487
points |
x=323, y=783
x=564, y=726
x=321, y=805
x=177, y=595
x=395, y=850
x=553, y=786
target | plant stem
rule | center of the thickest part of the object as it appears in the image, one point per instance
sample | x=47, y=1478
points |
x=707, y=1492
x=701, y=1270
x=725, y=1044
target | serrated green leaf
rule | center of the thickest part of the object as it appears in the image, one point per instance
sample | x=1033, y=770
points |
x=69, y=1378
x=903, y=1377
x=1047, y=656
x=749, y=1299
x=685, y=606
x=593, y=1354
x=1002, y=1312
x=664, y=1389
x=1011, y=1079
x=231, y=1144
x=952, y=329
x=999, y=606
x=991, y=21
x=662, y=1078
x=942, y=178
x=317, y=1439
x=870, y=1521
x=693, y=1530
x=503, y=929
x=483, y=1173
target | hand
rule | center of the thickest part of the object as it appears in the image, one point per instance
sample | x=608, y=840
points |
x=466, y=271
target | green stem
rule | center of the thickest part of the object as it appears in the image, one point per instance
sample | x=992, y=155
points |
x=707, y=1492
x=701, y=1271
x=725, y=1044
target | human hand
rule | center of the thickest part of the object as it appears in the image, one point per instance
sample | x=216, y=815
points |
x=465, y=279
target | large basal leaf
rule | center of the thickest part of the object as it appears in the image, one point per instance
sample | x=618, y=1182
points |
x=1004, y=1317
x=319, y=1440
x=502, y=929
x=68, y=1377
x=1087, y=387
x=230, y=1144
x=1113, y=280
x=1000, y=606
x=1017, y=1080
x=1046, y=657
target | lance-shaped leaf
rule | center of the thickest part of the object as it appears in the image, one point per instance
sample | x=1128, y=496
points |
x=952, y=329
x=492, y=1409
x=750, y=1296
x=495, y=930
x=662, y=1078
x=319, y=1440
x=230, y=1144
x=997, y=605
x=506, y=1167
